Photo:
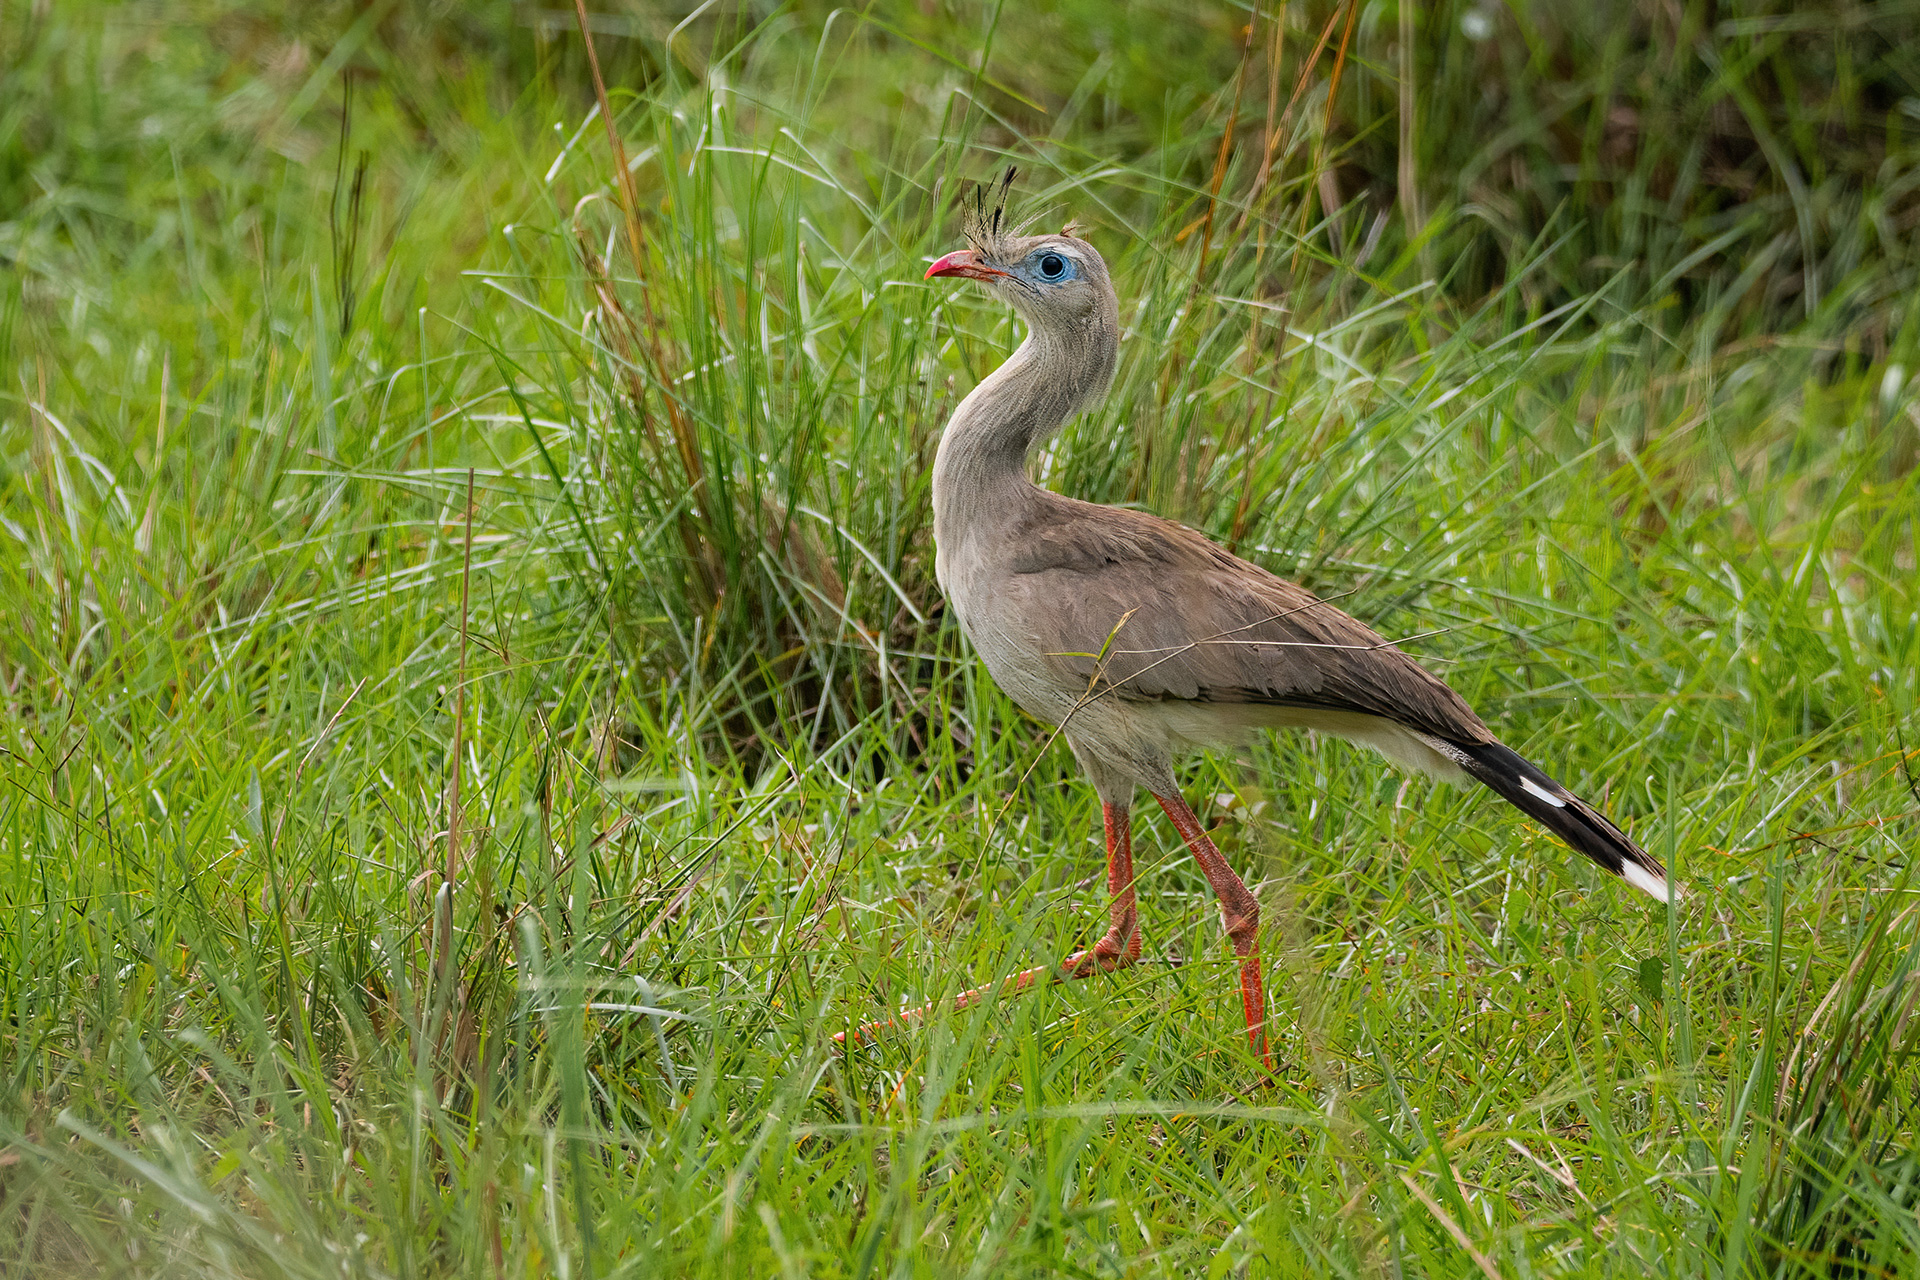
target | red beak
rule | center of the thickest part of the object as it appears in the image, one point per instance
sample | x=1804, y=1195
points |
x=963, y=263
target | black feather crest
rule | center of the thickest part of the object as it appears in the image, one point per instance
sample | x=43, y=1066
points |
x=986, y=223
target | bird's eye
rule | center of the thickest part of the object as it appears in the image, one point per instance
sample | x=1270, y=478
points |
x=1052, y=266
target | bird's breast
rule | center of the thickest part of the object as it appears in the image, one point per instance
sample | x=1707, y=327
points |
x=1012, y=655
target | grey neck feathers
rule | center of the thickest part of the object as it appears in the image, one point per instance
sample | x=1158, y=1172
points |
x=981, y=466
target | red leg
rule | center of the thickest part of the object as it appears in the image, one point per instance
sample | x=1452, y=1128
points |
x=1121, y=945
x=1118, y=949
x=1238, y=911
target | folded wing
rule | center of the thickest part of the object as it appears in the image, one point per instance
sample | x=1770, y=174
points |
x=1145, y=610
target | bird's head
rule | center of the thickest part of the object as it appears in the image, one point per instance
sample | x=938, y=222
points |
x=1057, y=283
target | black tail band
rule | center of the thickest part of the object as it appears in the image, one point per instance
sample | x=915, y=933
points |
x=1525, y=787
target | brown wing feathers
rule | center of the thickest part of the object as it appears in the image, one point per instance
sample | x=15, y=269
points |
x=1154, y=611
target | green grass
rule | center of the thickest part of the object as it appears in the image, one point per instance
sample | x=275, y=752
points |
x=727, y=781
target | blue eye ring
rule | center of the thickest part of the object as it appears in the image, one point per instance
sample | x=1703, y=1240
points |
x=1051, y=266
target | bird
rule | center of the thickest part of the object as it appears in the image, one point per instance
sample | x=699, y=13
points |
x=1142, y=639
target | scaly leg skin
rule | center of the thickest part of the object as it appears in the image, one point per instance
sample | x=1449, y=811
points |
x=1239, y=911
x=1121, y=946
x=1118, y=949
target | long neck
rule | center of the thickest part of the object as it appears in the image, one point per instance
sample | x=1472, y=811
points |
x=979, y=474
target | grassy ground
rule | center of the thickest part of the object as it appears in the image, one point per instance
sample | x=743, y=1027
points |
x=356, y=547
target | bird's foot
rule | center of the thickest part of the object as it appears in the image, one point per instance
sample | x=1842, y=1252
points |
x=1108, y=955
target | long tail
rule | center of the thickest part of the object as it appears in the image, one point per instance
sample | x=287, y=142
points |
x=1522, y=785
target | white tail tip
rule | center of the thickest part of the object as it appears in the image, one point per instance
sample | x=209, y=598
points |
x=1641, y=878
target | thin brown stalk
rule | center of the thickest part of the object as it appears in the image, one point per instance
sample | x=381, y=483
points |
x=1171, y=367
x=450, y=874
x=1452, y=1228
x=622, y=176
x=1339, y=66
x=1277, y=135
x=636, y=248
x=1409, y=172
x=1267, y=141
x=1267, y=130
x=631, y=345
x=628, y=344
x=1326, y=124
x=1225, y=153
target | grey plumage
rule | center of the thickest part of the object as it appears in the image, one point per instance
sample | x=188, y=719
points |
x=1142, y=635
x=1141, y=638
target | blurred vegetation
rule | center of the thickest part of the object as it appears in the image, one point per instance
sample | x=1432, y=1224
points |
x=1751, y=166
